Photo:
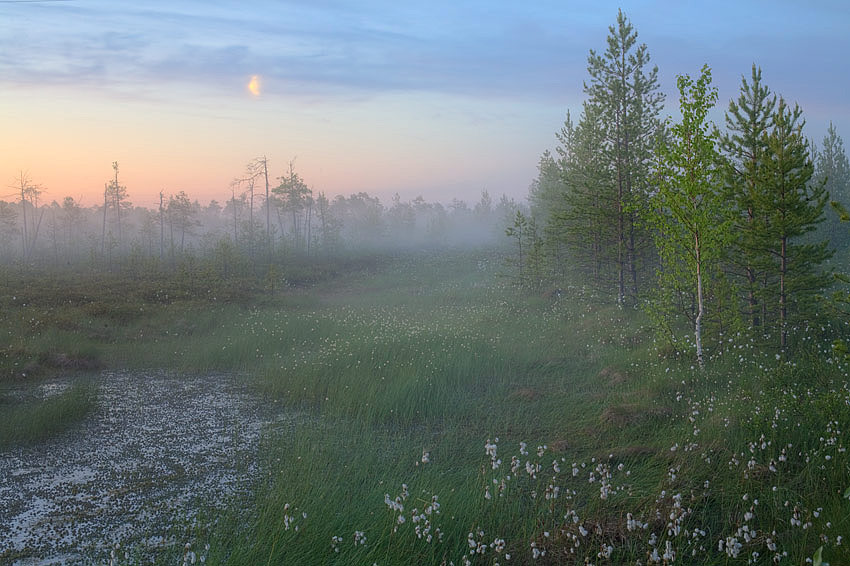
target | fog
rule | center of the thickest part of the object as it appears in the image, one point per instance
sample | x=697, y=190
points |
x=284, y=219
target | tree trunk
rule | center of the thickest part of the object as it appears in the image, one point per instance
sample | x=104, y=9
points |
x=117, y=203
x=235, y=221
x=251, y=222
x=752, y=301
x=621, y=235
x=698, y=322
x=280, y=225
x=764, y=303
x=36, y=229
x=783, y=307
x=103, y=228
x=55, y=238
x=171, y=236
x=633, y=260
x=309, y=223
x=268, y=209
x=324, y=226
x=25, y=234
x=161, y=228
x=621, y=268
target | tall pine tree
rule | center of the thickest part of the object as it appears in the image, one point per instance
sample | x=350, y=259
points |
x=585, y=221
x=629, y=102
x=792, y=206
x=744, y=145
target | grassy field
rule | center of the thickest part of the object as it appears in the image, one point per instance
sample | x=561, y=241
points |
x=448, y=418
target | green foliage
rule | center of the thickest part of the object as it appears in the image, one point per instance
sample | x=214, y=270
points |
x=583, y=221
x=689, y=218
x=776, y=203
x=840, y=300
x=294, y=198
x=8, y=225
x=181, y=215
x=748, y=121
x=832, y=169
x=628, y=100
x=531, y=261
x=790, y=207
x=589, y=199
x=547, y=190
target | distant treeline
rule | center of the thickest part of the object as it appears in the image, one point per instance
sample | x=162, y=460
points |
x=262, y=221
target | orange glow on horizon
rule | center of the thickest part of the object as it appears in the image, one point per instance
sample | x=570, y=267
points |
x=67, y=138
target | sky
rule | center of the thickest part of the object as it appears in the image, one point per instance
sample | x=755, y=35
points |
x=442, y=99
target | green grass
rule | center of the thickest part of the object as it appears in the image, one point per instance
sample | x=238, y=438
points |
x=436, y=354
x=29, y=421
x=441, y=359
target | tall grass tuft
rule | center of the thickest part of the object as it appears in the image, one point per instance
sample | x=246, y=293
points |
x=29, y=421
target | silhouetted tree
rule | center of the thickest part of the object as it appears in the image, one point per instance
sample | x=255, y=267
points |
x=8, y=226
x=182, y=214
x=116, y=195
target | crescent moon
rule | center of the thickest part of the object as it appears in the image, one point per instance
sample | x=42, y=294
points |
x=254, y=85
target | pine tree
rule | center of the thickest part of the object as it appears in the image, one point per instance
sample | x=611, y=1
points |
x=629, y=102
x=841, y=297
x=792, y=206
x=744, y=146
x=117, y=195
x=519, y=231
x=546, y=197
x=547, y=190
x=8, y=228
x=586, y=221
x=833, y=170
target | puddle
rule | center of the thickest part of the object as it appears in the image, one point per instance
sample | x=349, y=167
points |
x=54, y=388
x=158, y=448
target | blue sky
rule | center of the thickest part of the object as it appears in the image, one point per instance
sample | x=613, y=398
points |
x=436, y=98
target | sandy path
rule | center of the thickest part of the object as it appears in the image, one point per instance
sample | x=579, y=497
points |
x=158, y=448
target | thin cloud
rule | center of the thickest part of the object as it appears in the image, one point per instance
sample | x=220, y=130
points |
x=335, y=49
x=313, y=51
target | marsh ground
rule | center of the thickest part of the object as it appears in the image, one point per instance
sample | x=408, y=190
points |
x=446, y=417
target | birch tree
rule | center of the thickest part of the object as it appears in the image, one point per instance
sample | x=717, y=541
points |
x=691, y=229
